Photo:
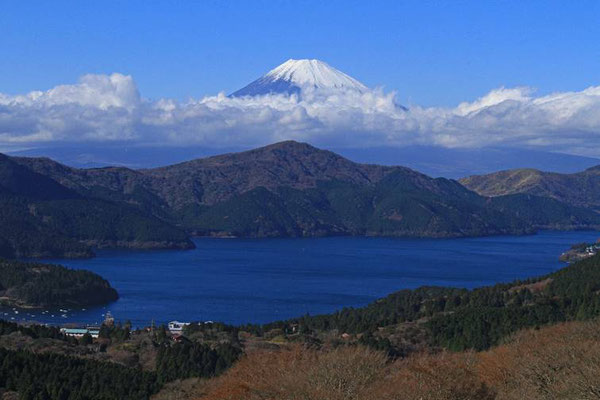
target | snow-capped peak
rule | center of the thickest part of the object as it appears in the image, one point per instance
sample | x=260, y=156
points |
x=314, y=73
x=295, y=75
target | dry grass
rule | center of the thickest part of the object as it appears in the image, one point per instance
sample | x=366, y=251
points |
x=296, y=373
x=559, y=362
x=349, y=373
x=444, y=376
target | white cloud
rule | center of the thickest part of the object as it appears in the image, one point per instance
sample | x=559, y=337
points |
x=110, y=108
x=99, y=91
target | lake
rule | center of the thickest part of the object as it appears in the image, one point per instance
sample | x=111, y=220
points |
x=261, y=280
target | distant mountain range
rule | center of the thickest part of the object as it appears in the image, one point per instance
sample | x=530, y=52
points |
x=457, y=163
x=434, y=161
x=581, y=189
x=287, y=189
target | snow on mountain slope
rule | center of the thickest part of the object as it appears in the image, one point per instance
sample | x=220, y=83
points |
x=314, y=73
x=293, y=76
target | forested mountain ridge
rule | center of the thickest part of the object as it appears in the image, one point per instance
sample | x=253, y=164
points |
x=290, y=164
x=40, y=217
x=580, y=189
x=287, y=189
x=214, y=179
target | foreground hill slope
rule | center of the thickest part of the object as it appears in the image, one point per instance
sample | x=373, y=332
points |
x=461, y=319
x=292, y=189
x=510, y=341
x=395, y=348
x=581, y=189
x=557, y=362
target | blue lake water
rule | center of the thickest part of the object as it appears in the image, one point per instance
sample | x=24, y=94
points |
x=261, y=280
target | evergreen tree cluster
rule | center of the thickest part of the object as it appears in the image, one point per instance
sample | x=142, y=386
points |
x=58, y=377
x=33, y=331
x=44, y=285
x=55, y=376
x=116, y=333
x=193, y=359
x=461, y=319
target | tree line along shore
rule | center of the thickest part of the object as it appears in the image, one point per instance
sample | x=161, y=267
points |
x=406, y=325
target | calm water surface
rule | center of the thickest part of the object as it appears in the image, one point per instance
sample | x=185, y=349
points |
x=261, y=280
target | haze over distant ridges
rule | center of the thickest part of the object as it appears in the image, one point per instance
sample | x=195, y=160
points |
x=434, y=161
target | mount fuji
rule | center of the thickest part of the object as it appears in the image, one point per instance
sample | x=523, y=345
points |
x=294, y=76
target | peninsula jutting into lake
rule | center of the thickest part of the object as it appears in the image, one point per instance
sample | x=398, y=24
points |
x=405, y=323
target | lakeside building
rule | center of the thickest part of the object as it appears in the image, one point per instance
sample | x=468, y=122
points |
x=176, y=326
x=109, y=320
x=593, y=249
x=93, y=330
x=79, y=332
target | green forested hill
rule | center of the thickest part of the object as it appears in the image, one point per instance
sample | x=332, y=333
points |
x=546, y=212
x=55, y=376
x=285, y=189
x=461, y=319
x=394, y=206
x=39, y=217
x=43, y=285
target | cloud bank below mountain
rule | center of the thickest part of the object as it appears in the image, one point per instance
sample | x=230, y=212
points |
x=109, y=108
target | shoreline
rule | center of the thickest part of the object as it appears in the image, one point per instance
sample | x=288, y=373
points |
x=135, y=246
x=139, y=324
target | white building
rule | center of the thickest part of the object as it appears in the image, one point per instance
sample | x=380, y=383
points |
x=176, y=326
x=79, y=332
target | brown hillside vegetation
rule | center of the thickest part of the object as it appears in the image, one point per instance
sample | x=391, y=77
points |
x=557, y=362
x=579, y=189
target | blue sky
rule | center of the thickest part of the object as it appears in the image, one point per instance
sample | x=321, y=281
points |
x=434, y=53
x=474, y=74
